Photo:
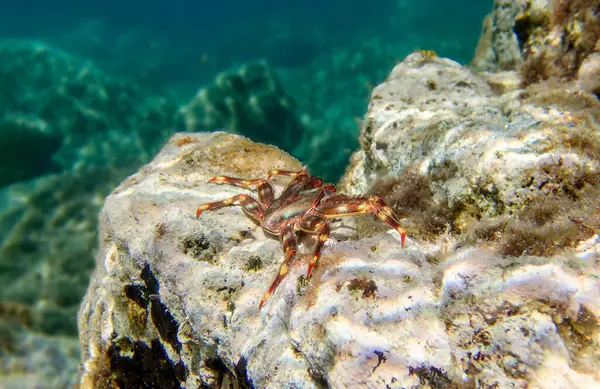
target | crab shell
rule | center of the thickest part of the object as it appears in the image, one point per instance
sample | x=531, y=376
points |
x=306, y=204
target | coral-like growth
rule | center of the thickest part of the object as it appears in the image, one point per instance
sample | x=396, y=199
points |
x=577, y=23
x=545, y=226
x=543, y=40
x=536, y=68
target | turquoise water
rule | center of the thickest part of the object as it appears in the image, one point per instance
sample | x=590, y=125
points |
x=327, y=57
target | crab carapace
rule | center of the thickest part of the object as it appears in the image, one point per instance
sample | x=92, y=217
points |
x=307, y=204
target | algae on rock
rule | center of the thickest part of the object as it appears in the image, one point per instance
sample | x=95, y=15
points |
x=484, y=156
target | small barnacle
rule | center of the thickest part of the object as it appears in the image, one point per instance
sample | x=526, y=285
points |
x=301, y=284
x=196, y=246
x=240, y=236
x=482, y=337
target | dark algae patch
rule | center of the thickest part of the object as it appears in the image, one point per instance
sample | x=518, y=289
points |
x=138, y=365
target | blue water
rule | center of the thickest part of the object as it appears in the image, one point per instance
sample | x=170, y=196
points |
x=173, y=48
x=207, y=23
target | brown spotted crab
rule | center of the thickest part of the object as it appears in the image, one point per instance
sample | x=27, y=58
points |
x=306, y=204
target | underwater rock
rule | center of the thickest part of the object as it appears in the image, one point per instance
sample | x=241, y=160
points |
x=173, y=301
x=529, y=153
x=248, y=101
x=78, y=110
x=498, y=48
x=48, y=239
x=26, y=148
x=43, y=265
x=30, y=359
x=542, y=39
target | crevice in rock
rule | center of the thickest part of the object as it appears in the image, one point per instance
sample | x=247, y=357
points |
x=137, y=365
x=165, y=323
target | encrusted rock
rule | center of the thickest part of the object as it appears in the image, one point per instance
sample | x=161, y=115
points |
x=542, y=39
x=525, y=153
x=498, y=47
x=173, y=301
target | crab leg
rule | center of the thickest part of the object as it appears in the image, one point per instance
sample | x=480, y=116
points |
x=263, y=187
x=286, y=173
x=248, y=204
x=316, y=225
x=341, y=205
x=290, y=246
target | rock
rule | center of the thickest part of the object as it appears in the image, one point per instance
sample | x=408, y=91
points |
x=498, y=47
x=34, y=360
x=437, y=132
x=26, y=148
x=173, y=301
x=43, y=266
x=589, y=73
x=248, y=101
x=47, y=243
x=75, y=111
x=541, y=38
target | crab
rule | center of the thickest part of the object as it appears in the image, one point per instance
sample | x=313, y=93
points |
x=306, y=205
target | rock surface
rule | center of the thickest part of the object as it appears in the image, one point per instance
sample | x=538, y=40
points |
x=498, y=47
x=442, y=131
x=174, y=299
x=543, y=39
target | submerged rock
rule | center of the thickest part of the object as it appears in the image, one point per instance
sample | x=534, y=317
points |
x=448, y=152
x=250, y=101
x=48, y=239
x=543, y=39
x=173, y=301
x=70, y=115
x=26, y=148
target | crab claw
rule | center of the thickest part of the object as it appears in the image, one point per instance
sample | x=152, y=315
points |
x=402, y=236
